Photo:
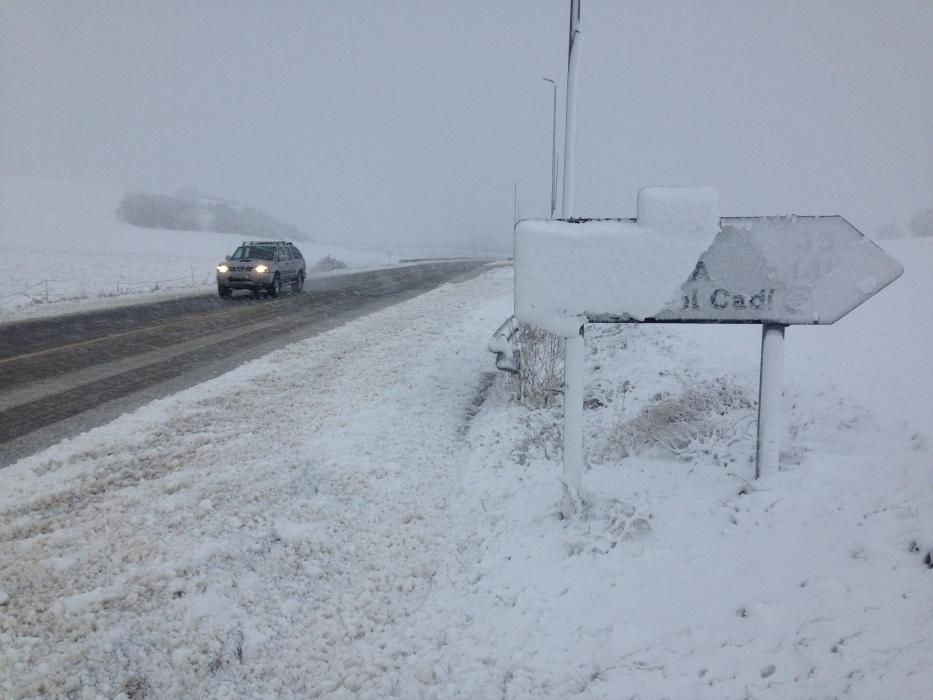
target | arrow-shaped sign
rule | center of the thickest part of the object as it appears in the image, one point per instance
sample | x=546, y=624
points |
x=788, y=270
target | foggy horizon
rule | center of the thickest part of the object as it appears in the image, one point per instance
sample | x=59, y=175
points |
x=372, y=123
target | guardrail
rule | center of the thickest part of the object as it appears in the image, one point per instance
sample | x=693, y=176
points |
x=508, y=358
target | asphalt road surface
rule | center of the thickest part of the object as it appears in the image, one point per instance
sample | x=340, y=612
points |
x=61, y=376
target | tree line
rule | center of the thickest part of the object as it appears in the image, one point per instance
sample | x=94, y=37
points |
x=187, y=211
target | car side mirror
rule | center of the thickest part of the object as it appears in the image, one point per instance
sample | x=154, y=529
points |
x=226, y=257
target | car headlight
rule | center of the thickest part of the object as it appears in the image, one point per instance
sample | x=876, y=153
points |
x=223, y=268
x=262, y=268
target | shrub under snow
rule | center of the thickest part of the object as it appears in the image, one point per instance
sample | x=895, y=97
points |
x=702, y=411
x=541, y=368
x=328, y=263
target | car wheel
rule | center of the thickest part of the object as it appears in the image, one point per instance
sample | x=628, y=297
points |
x=276, y=286
x=299, y=282
x=223, y=290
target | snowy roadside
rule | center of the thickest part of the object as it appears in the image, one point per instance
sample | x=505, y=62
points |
x=406, y=541
x=271, y=531
x=685, y=579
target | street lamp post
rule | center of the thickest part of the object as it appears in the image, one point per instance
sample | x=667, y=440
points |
x=516, y=207
x=570, y=120
x=574, y=347
x=553, y=152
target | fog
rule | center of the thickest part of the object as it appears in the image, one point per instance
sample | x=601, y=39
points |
x=379, y=123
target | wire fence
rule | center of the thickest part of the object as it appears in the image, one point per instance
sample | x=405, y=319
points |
x=50, y=291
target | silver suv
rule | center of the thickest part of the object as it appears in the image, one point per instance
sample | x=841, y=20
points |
x=262, y=265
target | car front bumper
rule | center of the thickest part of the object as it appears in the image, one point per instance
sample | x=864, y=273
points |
x=244, y=280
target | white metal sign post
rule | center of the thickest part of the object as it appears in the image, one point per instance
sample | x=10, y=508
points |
x=770, y=379
x=772, y=271
x=574, y=381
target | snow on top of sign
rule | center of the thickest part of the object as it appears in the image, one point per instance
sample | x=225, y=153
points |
x=566, y=270
x=678, y=208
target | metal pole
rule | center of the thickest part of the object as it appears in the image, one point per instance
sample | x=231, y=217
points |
x=574, y=347
x=574, y=379
x=570, y=121
x=515, y=211
x=553, y=152
x=769, y=399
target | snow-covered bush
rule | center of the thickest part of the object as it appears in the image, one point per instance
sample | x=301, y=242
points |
x=541, y=372
x=328, y=263
x=700, y=413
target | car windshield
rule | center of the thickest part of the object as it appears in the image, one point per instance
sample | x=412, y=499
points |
x=247, y=252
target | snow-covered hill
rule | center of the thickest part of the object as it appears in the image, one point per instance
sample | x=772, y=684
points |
x=394, y=531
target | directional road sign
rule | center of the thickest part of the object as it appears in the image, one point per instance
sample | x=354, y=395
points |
x=787, y=270
x=771, y=270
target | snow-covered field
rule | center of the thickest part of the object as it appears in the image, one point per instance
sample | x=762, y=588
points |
x=66, y=251
x=392, y=529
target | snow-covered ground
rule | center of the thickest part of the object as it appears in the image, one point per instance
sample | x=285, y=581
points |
x=371, y=514
x=66, y=251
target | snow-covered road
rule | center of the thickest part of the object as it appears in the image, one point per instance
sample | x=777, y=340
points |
x=268, y=532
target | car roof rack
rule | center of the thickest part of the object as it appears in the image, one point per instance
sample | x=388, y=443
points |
x=268, y=243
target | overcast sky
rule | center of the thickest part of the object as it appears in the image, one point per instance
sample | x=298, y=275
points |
x=404, y=121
